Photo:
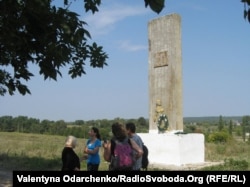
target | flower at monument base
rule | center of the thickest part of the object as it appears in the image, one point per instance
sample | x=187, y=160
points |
x=162, y=123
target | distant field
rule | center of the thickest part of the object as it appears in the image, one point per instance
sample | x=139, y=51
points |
x=24, y=151
x=211, y=119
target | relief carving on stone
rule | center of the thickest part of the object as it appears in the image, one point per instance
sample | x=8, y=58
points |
x=161, y=59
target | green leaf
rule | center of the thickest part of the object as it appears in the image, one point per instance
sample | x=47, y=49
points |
x=248, y=15
x=155, y=5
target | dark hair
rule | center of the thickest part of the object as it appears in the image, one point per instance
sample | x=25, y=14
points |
x=119, y=131
x=131, y=126
x=96, y=131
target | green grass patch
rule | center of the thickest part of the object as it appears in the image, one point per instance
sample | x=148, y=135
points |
x=24, y=151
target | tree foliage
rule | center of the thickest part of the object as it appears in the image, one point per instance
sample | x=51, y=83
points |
x=155, y=5
x=49, y=37
x=35, y=32
x=245, y=126
x=246, y=9
x=221, y=123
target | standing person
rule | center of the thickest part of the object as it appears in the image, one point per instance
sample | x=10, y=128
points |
x=92, y=149
x=70, y=160
x=131, y=131
x=113, y=149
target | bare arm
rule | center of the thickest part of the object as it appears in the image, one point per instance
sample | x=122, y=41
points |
x=88, y=151
x=107, y=151
x=137, y=148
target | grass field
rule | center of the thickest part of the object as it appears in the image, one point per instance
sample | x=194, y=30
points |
x=21, y=151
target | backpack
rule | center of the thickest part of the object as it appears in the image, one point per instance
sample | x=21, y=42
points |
x=121, y=155
x=144, y=162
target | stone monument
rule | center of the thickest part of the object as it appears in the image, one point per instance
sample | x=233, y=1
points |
x=165, y=71
x=167, y=143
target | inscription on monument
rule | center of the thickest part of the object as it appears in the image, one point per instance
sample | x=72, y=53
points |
x=161, y=59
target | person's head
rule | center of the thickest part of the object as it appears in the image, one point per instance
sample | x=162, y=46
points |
x=119, y=131
x=94, y=132
x=130, y=127
x=71, y=141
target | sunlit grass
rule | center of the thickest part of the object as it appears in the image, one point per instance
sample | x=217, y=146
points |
x=24, y=151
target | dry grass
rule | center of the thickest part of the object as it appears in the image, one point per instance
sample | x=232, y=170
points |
x=20, y=151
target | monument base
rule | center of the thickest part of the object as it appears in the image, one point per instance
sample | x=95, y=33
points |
x=173, y=148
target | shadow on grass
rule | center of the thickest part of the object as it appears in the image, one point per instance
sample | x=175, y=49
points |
x=17, y=162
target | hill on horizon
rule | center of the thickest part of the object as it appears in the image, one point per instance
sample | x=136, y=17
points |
x=211, y=119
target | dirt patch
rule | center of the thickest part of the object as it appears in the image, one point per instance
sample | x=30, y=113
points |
x=185, y=167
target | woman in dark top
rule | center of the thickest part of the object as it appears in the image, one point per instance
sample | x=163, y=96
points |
x=70, y=160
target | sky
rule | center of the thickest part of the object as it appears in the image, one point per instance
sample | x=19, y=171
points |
x=215, y=65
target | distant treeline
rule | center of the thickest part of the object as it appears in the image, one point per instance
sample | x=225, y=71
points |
x=211, y=119
x=80, y=128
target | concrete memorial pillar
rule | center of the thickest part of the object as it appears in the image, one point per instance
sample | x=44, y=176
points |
x=167, y=143
x=165, y=72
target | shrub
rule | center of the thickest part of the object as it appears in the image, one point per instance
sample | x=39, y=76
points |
x=219, y=137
